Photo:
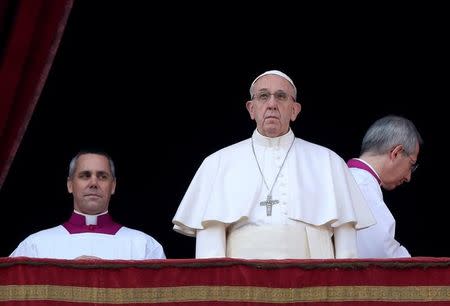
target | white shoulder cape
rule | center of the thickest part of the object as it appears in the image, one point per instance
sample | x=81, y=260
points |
x=226, y=186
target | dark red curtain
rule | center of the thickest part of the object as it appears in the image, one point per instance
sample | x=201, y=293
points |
x=30, y=32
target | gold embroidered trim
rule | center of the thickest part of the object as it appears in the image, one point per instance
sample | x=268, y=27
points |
x=224, y=293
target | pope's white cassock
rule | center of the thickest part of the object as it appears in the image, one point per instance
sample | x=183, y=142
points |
x=97, y=236
x=315, y=193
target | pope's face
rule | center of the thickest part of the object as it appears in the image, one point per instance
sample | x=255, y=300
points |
x=91, y=184
x=273, y=106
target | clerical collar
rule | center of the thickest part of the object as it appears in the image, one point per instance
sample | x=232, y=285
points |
x=360, y=164
x=78, y=224
x=280, y=141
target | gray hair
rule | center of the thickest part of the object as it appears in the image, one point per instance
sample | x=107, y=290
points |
x=74, y=160
x=388, y=132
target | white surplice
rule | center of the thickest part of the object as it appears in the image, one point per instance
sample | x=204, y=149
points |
x=58, y=242
x=377, y=241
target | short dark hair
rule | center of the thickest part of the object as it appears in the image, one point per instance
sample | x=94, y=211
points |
x=74, y=160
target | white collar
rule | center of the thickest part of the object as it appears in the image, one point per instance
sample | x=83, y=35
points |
x=280, y=141
x=90, y=219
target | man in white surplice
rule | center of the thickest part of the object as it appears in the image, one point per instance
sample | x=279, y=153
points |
x=90, y=232
x=273, y=196
x=389, y=152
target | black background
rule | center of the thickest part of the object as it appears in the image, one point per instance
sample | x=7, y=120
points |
x=160, y=88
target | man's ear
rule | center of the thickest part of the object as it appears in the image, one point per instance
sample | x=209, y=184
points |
x=296, y=109
x=69, y=185
x=250, y=108
x=113, y=187
x=395, y=151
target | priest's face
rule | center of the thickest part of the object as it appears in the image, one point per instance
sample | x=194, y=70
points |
x=400, y=168
x=273, y=106
x=91, y=184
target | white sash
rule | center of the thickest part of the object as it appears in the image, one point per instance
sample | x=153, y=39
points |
x=295, y=241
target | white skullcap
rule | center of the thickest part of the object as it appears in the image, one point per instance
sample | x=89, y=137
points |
x=276, y=72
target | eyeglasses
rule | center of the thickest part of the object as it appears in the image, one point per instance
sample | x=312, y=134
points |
x=414, y=164
x=264, y=96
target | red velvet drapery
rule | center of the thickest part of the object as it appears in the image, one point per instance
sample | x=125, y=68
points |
x=30, y=32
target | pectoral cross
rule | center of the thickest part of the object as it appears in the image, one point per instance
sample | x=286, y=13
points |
x=268, y=204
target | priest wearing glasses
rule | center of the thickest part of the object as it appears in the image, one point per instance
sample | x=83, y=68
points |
x=389, y=153
x=273, y=195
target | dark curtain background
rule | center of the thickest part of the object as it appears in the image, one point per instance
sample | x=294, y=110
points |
x=160, y=88
x=30, y=32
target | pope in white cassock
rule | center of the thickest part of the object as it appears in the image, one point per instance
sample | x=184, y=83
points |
x=90, y=232
x=273, y=196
